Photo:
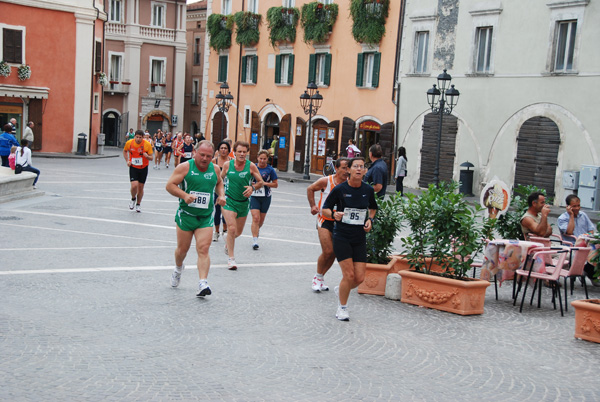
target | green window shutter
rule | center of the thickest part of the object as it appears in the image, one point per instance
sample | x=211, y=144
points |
x=223, y=68
x=360, y=65
x=278, y=69
x=327, y=76
x=291, y=69
x=254, y=69
x=244, y=62
x=312, y=61
x=376, y=64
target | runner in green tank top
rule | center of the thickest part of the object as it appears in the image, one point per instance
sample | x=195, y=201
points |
x=239, y=173
x=195, y=184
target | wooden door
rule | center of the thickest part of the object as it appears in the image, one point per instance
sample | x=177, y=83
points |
x=284, y=135
x=299, y=145
x=319, y=146
x=537, y=154
x=219, y=128
x=386, y=140
x=254, y=134
x=35, y=115
x=429, y=148
x=348, y=132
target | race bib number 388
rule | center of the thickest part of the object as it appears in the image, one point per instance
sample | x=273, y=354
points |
x=353, y=216
x=202, y=200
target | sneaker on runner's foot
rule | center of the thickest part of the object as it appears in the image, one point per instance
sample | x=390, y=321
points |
x=319, y=285
x=342, y=314
x=203, y=290
x=138, y=208
x=176, y=277
x=255, y=246
x=131, y=204
x=215, y=236
x=231, y=265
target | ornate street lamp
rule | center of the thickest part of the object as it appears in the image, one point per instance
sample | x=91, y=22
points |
x=224, y=100
x=310, y=101
x=442, y=100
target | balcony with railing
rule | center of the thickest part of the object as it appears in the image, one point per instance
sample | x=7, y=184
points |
x=118, y=87
x=145, y=32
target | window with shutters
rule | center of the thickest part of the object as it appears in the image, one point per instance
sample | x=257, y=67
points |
x=564, y=45
x=319, y=69
x=367, y=69
x=197, y=51
x=249, y=69
x=158, y=15
x=483, y=49
x=115, y=69
x=115, y=13
x=253, y=6
x=421, y=53
x=284, y=69
x=98, y=57
x=195, y=91
x=12, y=45
x=288, y=3
x=222, y=74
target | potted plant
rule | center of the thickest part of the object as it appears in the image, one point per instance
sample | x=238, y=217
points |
x=587, y=312
x=102, y=79
x=24, y=72
x=4, y=69
x=219, y=28
x=368, y=20
x=282, y=23
x=317, y=20
x=446, y=232
x=246, y=28
x=380, y=263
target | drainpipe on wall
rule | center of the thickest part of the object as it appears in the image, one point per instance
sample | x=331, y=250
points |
x=239, y=81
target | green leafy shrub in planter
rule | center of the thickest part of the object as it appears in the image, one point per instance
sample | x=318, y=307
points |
x=317, y=20
x=368, y=18
x=385, y=228
x=4, y=69
x=446, y=230
x=282, y=23
x=219, y=28
x=246, y=28
x=509, y=224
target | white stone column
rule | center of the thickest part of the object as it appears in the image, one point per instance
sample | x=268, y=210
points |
x=133, y=51
x=179, y=87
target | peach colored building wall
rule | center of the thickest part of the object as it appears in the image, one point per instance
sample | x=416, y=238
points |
x=342, y=98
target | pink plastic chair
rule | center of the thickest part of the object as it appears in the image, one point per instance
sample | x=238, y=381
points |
x=552, y=277
x=577, y=261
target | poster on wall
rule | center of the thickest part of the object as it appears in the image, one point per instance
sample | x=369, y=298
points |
x=297, y=156
x=298, y=130
x=254, y=138
x=331, y=134
x=321, y=148
x=315, y=139
x=495, y=198
x=281, y=142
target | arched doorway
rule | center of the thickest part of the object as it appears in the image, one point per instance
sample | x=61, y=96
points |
x=219, y=128
x=271, y=129
x=431, y=126
x=154, y=123
x=537, y=153
x=110, y=126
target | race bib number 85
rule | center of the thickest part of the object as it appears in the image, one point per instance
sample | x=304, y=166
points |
x=353, y=216
x=202, y=200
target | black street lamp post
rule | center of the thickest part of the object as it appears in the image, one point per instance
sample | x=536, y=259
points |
x=310, y=101
x=442, y=101
x=224, y=100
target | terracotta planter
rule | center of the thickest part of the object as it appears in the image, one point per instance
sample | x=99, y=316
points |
x=376, y=275
x=587, y=319
x=464, y=297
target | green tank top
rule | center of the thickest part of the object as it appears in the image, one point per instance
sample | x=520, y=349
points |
x=237, y=181
x=202, y=185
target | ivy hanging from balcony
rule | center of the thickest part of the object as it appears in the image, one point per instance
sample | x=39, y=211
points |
x=317, y=20
x=282, y=22
x=219, y=28
x=246, y=28
x=369, y=20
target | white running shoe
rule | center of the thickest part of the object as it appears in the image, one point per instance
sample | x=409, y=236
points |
x=176, y=277
x=342, y=314
x=167, y=166
x=132, y=204
x=138, y=208
x=215, y=236
x=231, y=265
x=154, y=167
x=316, y=284
x=203, y=290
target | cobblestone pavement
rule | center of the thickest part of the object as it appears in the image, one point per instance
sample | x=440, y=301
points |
x=87, y=313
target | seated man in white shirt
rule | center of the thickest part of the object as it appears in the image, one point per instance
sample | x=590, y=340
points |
x=573, y=223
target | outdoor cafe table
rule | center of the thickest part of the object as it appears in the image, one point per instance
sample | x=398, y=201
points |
x=586, y=241
x=508, y=256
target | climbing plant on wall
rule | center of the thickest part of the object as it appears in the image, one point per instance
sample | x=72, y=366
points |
x=368, y=18
x=246, y=27
x=282, y=23
x=317, y=20
x=219, y=28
